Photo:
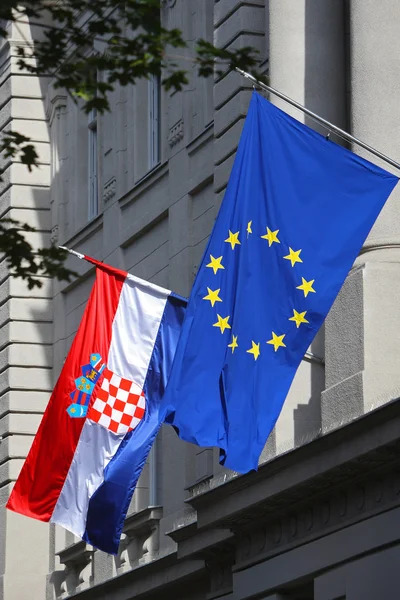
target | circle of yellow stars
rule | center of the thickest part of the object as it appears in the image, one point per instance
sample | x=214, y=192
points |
x=213, y=295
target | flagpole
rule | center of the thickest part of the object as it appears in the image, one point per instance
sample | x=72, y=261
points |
x=73, y=252
x=308, y=355
x=340, y=132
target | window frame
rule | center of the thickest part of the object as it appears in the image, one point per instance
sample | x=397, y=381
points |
x=93, y=166
x=154, y=121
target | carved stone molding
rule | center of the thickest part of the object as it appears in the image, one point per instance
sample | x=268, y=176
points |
x=54, y=107
x=140, y=539
x=176, y=133
x=109, y=190
x=333, y=483
x=219, y=562
x=282, y=530
x=56, y=579
x=77, y=560
x=54, y=235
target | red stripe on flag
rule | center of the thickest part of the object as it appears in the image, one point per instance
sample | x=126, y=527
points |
x=42, y=477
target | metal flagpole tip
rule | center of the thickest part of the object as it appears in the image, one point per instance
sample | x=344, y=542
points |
x=77, y=254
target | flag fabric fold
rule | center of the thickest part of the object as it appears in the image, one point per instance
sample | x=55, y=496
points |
x=296, y=212
x=103, y=415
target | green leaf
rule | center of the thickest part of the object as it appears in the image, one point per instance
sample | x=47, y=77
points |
x=136, y=45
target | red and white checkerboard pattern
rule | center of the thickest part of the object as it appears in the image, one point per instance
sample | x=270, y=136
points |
x=120, y=404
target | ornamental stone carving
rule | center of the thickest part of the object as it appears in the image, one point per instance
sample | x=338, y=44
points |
x=109, y=190
x=77, y=575
x=140, y=539
x=333, y=511
x=54, y=235
x=176, y=133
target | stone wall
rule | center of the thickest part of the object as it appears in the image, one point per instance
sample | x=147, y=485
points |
x=154, y=220
x=26, y=323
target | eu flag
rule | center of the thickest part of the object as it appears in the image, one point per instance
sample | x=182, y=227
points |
x=295, y=214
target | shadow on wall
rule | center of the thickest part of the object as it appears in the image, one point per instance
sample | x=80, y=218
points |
x=46, y=307
x=326, y=63
x=326, y=94
x=307, y=417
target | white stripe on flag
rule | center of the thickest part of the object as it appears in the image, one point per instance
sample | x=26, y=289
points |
x=134, y=333
x=95, y=449
x=135, y=328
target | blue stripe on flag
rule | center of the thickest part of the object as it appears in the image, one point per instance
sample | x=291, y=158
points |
x=109, y=504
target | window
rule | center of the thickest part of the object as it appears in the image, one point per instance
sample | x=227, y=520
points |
x=93, y=208
x=154, y=121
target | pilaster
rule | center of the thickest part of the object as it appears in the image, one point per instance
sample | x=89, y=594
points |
x=26, y=320
x=307, y=62
x=363, y=368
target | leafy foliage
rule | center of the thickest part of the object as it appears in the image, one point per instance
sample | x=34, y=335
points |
x=123, y=41
x=23, y=261
x=16, y=145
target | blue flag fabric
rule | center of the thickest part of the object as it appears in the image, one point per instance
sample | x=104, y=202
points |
x=295, y=214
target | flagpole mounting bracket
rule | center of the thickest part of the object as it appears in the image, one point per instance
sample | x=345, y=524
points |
x=332, y=128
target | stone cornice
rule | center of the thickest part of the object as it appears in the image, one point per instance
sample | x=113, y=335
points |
x=339, y=480
x=143, y=185
x=316, y=515
x=54, y=105
x=87, y=231
x=370, y=442
x=77, y=553
x=140, y=538
x=153, y=577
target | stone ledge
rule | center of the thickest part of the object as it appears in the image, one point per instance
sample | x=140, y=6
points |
x=143, y=520
x=246, y=19
x=331, y=459
x=77, y=575
x=192, y=543
x=76, y=554
x=201, y=139
x=224, y=9
x=84, y=233
x=142, y=185
x=140, y=539
x=163, y=575
x=317, y=516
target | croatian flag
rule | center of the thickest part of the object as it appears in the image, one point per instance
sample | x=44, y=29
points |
x=103, y=415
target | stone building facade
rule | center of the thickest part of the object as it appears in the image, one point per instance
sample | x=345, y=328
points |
x=140, y=188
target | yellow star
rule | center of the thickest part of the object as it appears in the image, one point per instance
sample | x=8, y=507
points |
x=72, y=410
x=249, y=228
x=234, y=343
x=277, y=341
x=293, y=256
x=233, y=239
x=212, y=296
x=306, y=286
x=254, y=350
x=298, y=318
x=271, y=236
x=222, y=323
x=215, y=264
